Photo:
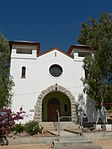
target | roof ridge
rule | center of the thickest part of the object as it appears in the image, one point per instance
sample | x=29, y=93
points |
x=54, y=48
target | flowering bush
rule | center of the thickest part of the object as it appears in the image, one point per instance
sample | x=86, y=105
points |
x=7, y=120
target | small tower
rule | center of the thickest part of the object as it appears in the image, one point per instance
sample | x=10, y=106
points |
x=22, y=68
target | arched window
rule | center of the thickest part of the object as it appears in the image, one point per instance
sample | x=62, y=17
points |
x=23, y=72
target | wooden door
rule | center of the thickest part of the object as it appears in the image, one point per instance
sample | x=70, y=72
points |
x=53, y=106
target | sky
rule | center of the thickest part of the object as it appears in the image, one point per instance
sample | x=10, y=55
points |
x=52, y=23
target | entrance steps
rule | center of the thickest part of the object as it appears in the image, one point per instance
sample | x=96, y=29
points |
x=63, y=125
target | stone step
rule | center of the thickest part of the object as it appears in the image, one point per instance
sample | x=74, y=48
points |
x=75, y=145
x=73, y=138
x=54, y=125
x=74, y=141
x=79, y=142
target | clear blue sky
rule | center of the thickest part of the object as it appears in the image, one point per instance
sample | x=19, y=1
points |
x=53, y=23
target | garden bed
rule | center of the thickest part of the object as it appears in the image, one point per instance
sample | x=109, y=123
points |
x=24, y=134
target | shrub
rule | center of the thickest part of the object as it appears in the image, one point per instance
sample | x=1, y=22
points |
x=18, y=128
x=32, y=127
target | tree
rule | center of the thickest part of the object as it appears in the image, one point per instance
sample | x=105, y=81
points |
x=6, y=81
x=98, y=35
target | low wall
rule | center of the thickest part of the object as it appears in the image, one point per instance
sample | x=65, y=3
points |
x=108, y=127
x=98, y=135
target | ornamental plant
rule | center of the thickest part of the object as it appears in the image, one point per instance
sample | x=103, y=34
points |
x=7, y=120
x=18, y=128
x=32, y=128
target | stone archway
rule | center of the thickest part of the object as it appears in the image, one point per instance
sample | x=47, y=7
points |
x=56, y=87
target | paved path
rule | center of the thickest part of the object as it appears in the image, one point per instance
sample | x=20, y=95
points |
x=27, y=146
x=105, y=143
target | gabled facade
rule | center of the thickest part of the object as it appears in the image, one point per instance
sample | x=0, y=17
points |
x=46, y=82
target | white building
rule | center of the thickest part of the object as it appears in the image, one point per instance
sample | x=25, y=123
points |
x=46, y=82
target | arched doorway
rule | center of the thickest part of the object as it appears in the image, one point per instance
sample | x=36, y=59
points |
x=40, y=108
x=54, y=101
x=52, y=107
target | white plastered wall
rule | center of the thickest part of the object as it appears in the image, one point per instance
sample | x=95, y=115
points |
x=38, y=78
